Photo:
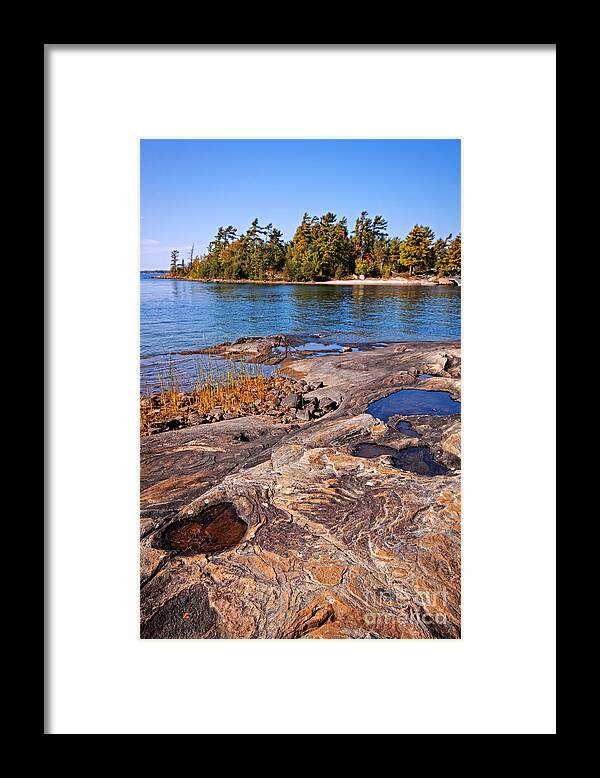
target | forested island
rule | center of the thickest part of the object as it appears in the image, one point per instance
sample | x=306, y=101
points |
x=322, y=249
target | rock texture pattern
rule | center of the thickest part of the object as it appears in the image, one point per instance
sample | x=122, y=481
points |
x=252, y=529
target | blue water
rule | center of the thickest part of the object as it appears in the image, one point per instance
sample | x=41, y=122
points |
x=414, y=402
x=183, y=315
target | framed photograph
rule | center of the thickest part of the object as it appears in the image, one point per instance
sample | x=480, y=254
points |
x=294, y=295
x=300, y=404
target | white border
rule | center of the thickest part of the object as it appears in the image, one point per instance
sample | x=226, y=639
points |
x=500, y=677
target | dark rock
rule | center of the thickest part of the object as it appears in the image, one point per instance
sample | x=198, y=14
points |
x=176, y=423
x=304, y=414
x=446, y=281
x=187, y=615
x=327, y=404
x=292, y=401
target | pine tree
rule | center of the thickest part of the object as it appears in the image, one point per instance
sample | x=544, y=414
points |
x=394, y=250
x=416, y=251
x=321, y=248
x=275, y=249
x=440, y=252
x=380, y=244
x=362, y=237
x=453, y=256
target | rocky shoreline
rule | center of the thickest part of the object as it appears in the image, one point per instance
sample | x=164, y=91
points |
x=431, y=280
x=281, y=526
x=286, y=400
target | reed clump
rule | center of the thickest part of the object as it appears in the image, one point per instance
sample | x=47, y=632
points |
x=234, y=388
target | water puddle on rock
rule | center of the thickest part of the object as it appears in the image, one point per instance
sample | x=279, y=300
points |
x=406, y=428
x=418, y=459
x=414, y=402
x=415, y=459
x=372, y=450
x=311, y=346
x=215, y=529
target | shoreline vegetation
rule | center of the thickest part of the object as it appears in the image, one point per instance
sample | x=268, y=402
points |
x=322, y=250
x=425, y=280
x=215, y=396
x=223, y=392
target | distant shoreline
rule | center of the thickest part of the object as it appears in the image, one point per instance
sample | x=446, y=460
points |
x=442, y=281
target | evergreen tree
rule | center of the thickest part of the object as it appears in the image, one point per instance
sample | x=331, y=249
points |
x=416, y=252
x=394, y=250
x=275, y=251
x=320, y=249
x=380, y=244
x=362, y=237
x=440, y=252
x=453, y=256
x=379, y=228
x=370, y=245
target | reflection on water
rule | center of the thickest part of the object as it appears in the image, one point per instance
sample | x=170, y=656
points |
x=183, y=315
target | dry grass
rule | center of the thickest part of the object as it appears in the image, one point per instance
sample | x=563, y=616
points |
x=234, y=388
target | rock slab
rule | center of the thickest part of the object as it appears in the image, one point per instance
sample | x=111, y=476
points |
x=253, y=529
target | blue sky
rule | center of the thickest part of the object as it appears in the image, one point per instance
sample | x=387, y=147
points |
x=191, y=187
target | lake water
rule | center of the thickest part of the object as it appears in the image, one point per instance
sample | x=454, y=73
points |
x=183, y=316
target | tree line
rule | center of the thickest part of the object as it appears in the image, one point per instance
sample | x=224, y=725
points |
x=322, y=248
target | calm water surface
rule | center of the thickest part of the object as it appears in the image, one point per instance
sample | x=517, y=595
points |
x=414, y=402
x=183, y=316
